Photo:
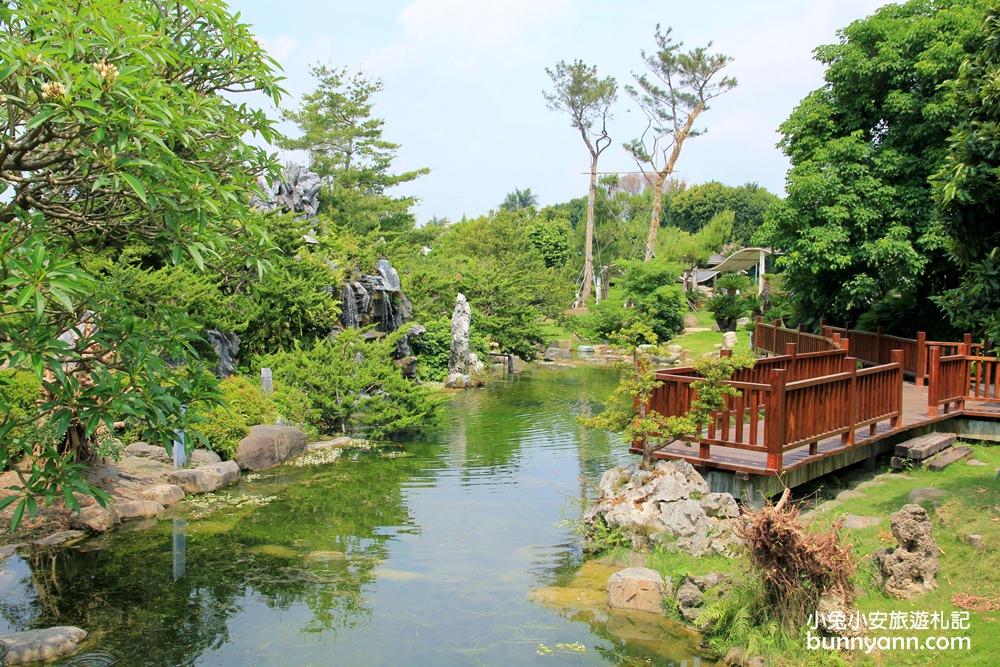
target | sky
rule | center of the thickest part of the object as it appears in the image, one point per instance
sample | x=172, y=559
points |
x=463, y=82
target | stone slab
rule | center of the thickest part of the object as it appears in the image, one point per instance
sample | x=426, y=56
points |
x=636, y=589
x=38, y=645
x=268, y=445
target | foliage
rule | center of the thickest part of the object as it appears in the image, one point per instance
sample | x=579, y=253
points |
x=551, y=237
x=694, y=250
x=629, y=410
x=672, y=95
x=732, y=300
x=119, y=124
x=244, y=405
x=293, y=407
x=967, y=192
x=646, y=292
x=518, y=199
x=693, y=208
x=356, y=385
x=858, y=224
x=503, y=274
x=20, y=394
x=348, y=151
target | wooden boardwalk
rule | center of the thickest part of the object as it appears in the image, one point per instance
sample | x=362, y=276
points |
x=801, y=416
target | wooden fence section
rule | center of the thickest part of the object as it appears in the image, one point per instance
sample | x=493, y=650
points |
x=782, y=414
x=773, y=338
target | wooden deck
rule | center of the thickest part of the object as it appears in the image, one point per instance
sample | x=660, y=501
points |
x=801, y=416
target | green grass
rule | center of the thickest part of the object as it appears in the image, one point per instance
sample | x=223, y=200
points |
x=972, y=506
x=704, y=342
x=555, y=331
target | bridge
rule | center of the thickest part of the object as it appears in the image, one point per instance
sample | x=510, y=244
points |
x=816, y=403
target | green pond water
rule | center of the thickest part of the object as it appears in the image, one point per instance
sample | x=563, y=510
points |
x=425, y=552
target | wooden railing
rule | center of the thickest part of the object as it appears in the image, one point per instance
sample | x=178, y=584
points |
x=778, y=414
x=875, y=347
x=772, y=338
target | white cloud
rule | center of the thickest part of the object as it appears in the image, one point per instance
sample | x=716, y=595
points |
x=465, y=36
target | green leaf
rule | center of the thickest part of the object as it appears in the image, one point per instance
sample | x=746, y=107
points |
x=136, y=186
x=40, y=117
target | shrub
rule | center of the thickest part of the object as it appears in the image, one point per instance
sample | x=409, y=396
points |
x=295, y=407
x=356, y=384
x=20, y=428
x=244, y=406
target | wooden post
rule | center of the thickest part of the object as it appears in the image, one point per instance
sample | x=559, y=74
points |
x=851, y=366
x=933, y=380
x=897, y=420
x=775, y=428
x=791, y=350
x=967, y=344
x=879, y=360
x=921, y=374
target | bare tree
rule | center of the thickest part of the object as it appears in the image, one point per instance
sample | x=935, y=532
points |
x=587, y=99
x=672, y=95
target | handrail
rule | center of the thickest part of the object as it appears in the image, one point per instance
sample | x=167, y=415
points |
x=775, y=414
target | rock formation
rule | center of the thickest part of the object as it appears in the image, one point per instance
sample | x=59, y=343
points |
x=670, y=504
x=463, y=361
x=909, y=569
x=637, y=589
x=297, y=191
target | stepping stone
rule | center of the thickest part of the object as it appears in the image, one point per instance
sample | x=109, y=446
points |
x=855, y=522
x=63, y=536
x=945, y=459
x=46, y=644
x=976, y=462
x=920, y=496
x=848, y=494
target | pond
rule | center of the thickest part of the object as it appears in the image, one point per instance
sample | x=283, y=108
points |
x=421, y=553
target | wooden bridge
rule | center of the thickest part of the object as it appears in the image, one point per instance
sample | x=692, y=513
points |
x=822, y=402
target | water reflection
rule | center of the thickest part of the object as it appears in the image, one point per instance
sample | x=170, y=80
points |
x=426, y=553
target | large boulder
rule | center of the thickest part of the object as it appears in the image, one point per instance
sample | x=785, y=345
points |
x=95, y=518
x=909, y=569
x=557, y=354
x=164, y=494
x=268, y=445
x=38, y=645
x=205, y=479
x=670, y=503
x=637, y=589
x=696, y=593
x=137, y=509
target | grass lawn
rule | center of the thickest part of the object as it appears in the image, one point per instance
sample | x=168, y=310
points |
x=968, y=577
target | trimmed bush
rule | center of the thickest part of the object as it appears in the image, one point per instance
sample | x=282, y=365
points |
x=245, y=405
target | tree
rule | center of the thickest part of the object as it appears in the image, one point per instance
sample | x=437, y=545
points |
x=858, y=226
x=118, y=125
x=672, y=96
x=968, y=193
x=587, y=99
x=692, y=209
x=347, y=149
x=518, y=199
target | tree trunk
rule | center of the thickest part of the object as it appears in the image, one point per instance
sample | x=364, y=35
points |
x=654, y=223
x=588, y=251
x=661, y=178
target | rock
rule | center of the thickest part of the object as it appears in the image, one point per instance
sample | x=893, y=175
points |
x=61, y=537
x=855, y=522
x=95, y=518
x=557, y=354
x=9, y=550
x=977, y=462
x=138, y=509
x=738, y=657
x=585, y=349
x=268, y=445
x=205, y=479
x=909, y=569
x=637, y=589
x=204, y=457
x=38, y=645
x=695, y=593
x=674, y=349
x=457, y=381
x=849, y=494
x=148, y=451
x=973, y=540
x=671, y=504
x=920, y=496
x=519, y=364
x=164, y=494
x=835, y=617
x=342, y=441
x=461, y=319
x=408, y=367
x=562, y=344
x=729, y=340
